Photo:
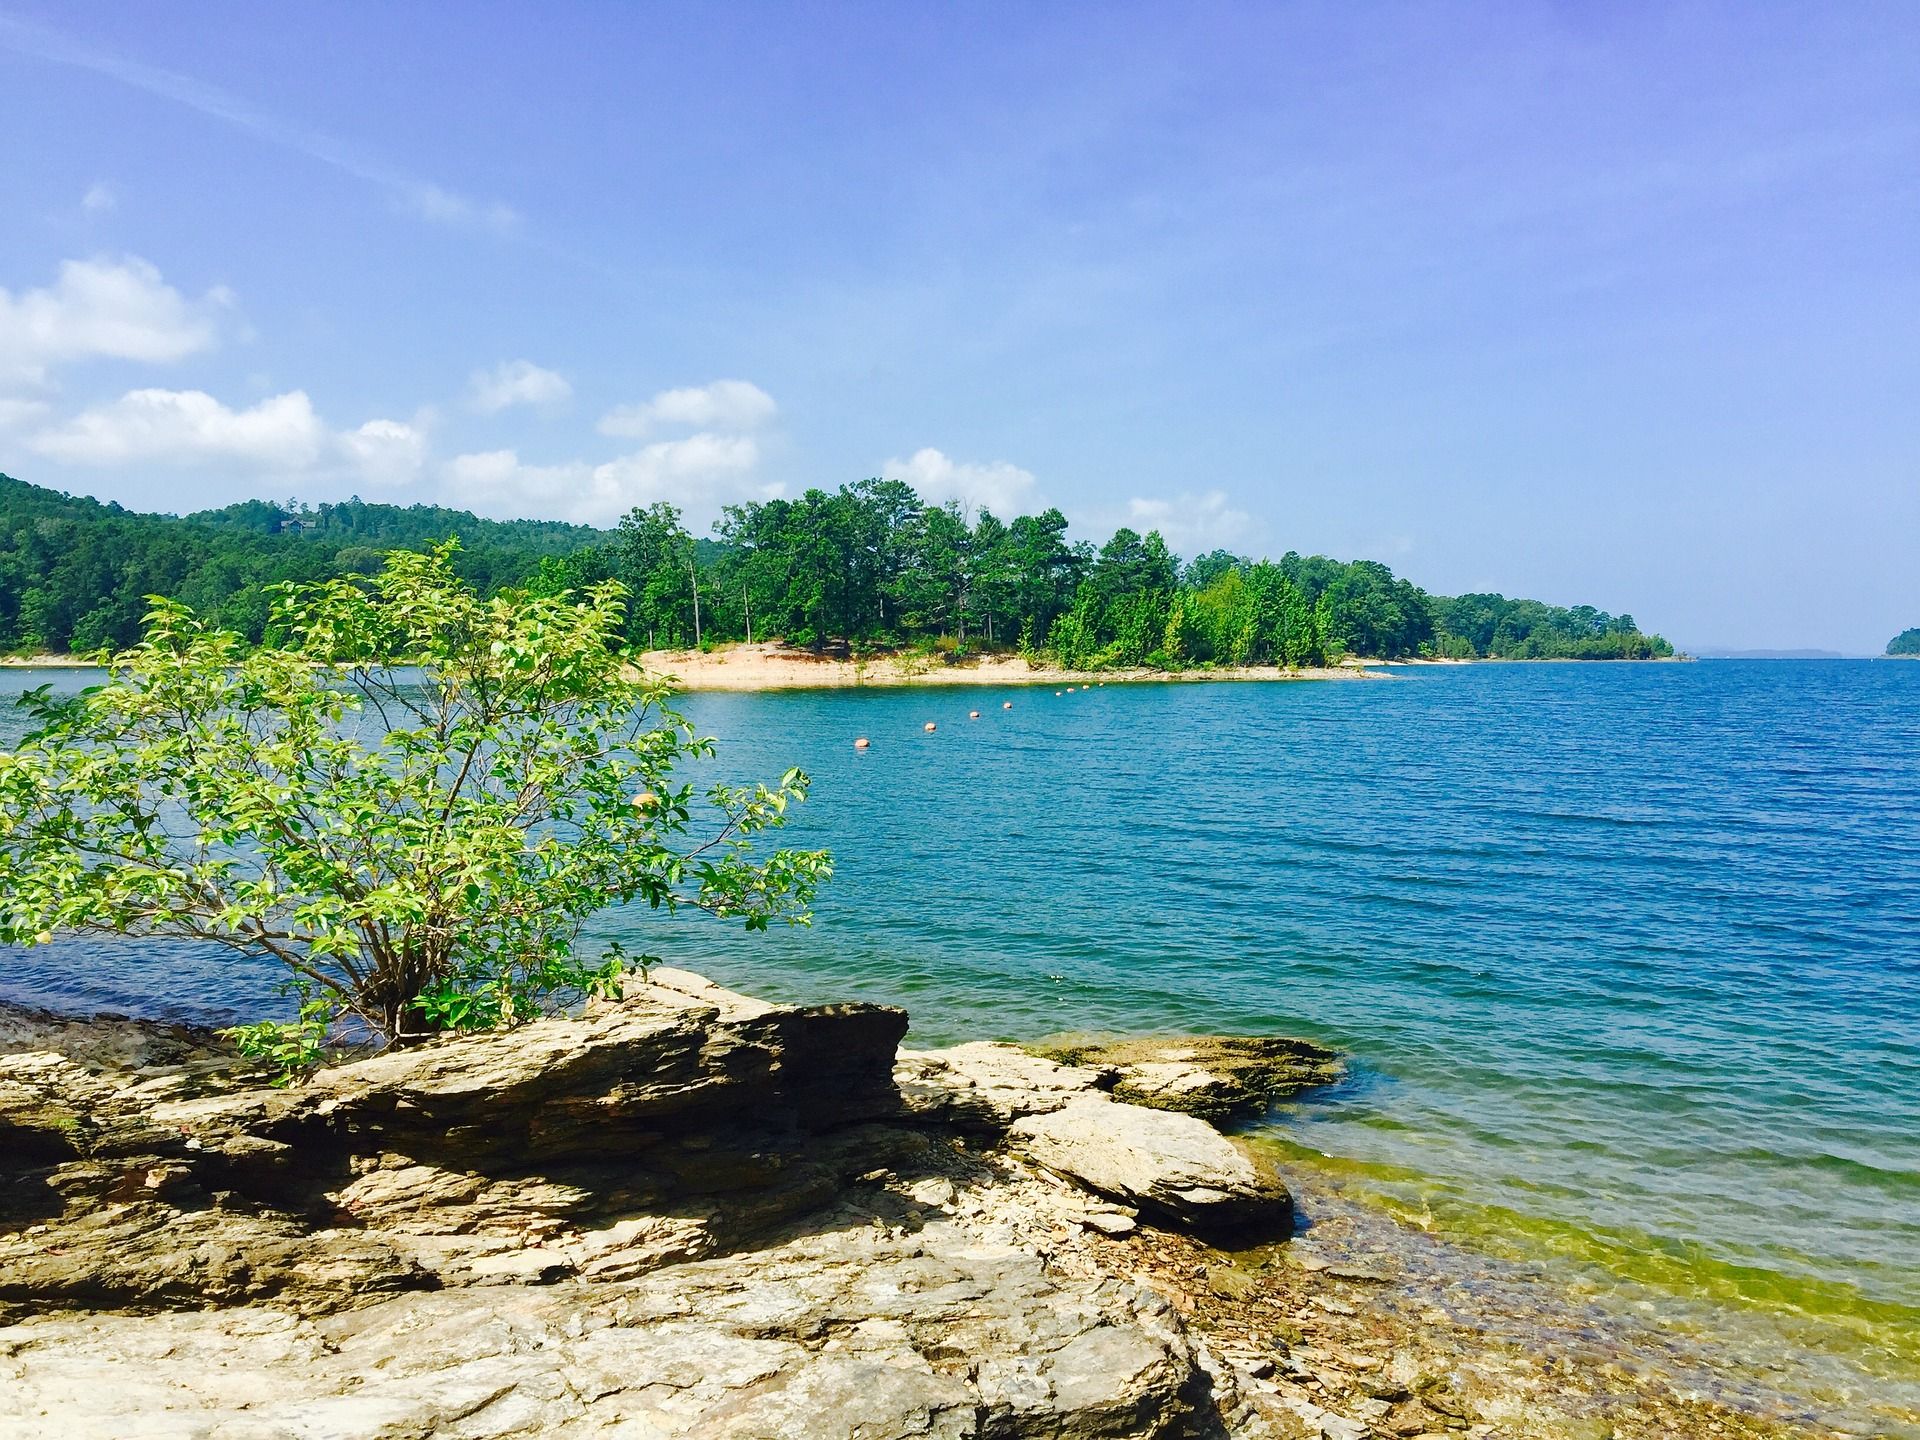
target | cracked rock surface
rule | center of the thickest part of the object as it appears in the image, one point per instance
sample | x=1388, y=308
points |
x=853, y=1331
x=685, y=1214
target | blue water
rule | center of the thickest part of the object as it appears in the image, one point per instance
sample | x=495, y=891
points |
x=1628, y=956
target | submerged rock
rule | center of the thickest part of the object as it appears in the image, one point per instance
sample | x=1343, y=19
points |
x=151, y=1046
x=1217, y=1077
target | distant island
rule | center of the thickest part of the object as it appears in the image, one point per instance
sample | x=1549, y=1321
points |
x=1905, y=645
x=869, y=570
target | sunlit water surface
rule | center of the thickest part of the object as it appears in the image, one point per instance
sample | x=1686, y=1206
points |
x=1628, y=956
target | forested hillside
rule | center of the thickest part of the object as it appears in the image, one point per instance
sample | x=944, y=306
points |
x=868, y=565
x=356, y=522
x=1907, y=642
x=75, y=574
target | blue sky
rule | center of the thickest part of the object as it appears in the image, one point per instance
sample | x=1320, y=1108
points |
x=1607, y=304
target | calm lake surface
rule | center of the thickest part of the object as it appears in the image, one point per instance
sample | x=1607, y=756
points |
x=1628, y=956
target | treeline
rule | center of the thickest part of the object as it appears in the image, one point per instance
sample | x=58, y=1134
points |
x=75, y=574
x=872, y=566
x=869, y=566
x=1907, y=642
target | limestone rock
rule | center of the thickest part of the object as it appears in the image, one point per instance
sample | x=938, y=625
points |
x=1175, y=1167
x=838, y=1334
x=684, y=1213
x=686, y=1103
x=148, y=1255
x=662, y=1061
x=113, y=1041
x=1217, y=1077
x=987, y=1086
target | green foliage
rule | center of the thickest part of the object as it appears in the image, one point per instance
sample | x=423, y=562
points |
x=289, y=1048
x=1074, y=640
x=866, y=565
x=1528, y=630
x=411, y=796
x=485, y=999
x=75, y=574
x=1907, y=642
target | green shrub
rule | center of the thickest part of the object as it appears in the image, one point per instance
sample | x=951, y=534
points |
x=409, y=797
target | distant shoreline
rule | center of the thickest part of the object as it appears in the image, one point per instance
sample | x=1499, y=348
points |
x=775, y=667
x=740, y=667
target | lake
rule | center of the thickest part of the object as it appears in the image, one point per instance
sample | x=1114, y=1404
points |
x=1627, y=956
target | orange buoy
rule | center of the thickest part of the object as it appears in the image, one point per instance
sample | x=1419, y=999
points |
x=1069, y=689
x=646, y=800
x=930, y=727
x=973, y=714
x=862, y=743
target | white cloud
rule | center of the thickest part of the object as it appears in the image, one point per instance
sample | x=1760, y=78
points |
x=699, y=474
x=185, y=427
x=190, y=427
x=1003, y=488
x=496, y=480
x=443, y=207
x=1193, y=524
x=17, y=414
x=517, y=382
x=114, y=309
x=725, y=405
x=700, y=469
x=385, y=452
x=99, y=198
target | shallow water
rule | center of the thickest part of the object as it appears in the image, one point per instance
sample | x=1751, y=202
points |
x=1628, y=955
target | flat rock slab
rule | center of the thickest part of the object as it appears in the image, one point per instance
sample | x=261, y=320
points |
x=986, y=1085
x=837, y=1335
x=684, y=1214
x=1174, y=1167
x=684, y=1105
x=112, y=1040
x=1217, y=1077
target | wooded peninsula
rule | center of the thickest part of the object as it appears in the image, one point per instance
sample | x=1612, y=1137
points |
x=870, y=565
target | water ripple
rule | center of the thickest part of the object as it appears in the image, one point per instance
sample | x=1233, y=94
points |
x=1628, y=956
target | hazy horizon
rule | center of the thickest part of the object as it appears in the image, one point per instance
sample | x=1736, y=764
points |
x=1605, y=308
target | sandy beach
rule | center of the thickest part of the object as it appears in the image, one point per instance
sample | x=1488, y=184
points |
x=776, y=667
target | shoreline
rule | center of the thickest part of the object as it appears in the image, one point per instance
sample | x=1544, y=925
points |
x=1359, y=1320
x=743, y=668
x=776, y=667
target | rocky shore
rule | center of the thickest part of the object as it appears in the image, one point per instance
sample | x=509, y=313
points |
x=692, y=1213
